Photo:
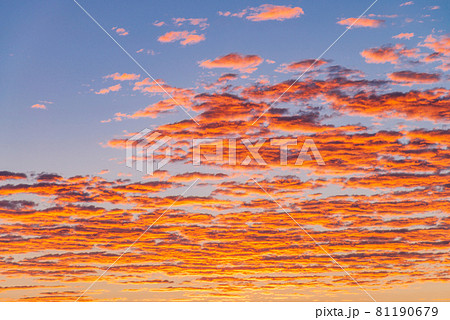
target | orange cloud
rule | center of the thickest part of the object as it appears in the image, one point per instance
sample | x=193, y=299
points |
x=267, y=12
x=189, y=254
x=381, y=200
x=148, y=86
x=441, y=48
x=7, y=175
x=39, y=106
x=409, y=77
x=235, y=61
x=440, y=44
x=429, y=104
x=300, y=65
x=382, y=54
x=109, y=89
x=361, y=22
x=123, y=76
x=404, y=36
x=224, y=78
x=185, y=37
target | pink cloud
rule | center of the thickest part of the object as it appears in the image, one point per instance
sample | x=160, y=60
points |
x=123, y=76
x=185, y=37
x=120, y=31
x=225, y=14
x=158, y=23
x=39, y=106
x=439, y=44
x=404, y=36
x=361, y=22
x=109, y=89
x=271, y=12
x=266, y=12
x=441, y=47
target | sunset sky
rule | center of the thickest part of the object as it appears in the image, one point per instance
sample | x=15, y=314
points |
x=369, y=223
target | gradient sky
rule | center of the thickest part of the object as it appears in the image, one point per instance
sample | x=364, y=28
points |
x=376, y=106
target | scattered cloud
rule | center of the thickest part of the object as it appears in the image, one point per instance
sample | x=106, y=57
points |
x=185, y=37
x=120, y=31
x=409, y=3
x=39, y=106
x=224, y=78
x=300, y=65
x=109, y=89
x=146, y=51
x=202, y=23
x=404, y=36
x=159, y=23
x=390, y=54
x=362, y=22
x=267, y=12
x=123, y=76
x=394, y=209
x=409, y=77
x=381, y=54
x=441, y=47
x=398, y=54
x=235, y=61
x=383, y=15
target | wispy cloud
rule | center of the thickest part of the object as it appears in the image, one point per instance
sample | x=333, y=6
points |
x=408, y=3
x=158, y=23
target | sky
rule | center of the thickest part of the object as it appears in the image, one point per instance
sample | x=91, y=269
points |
x=355, y=209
